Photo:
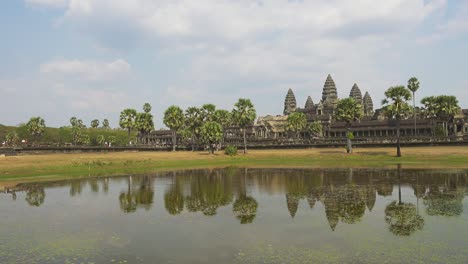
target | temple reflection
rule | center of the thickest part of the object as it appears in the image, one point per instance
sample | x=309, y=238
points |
x=345, y=196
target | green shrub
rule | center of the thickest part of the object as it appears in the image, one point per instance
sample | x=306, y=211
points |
x=230, y=150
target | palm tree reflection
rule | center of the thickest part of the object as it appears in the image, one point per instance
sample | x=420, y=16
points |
x=402, y=218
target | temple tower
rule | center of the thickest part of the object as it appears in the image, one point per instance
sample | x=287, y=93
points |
x=368, y=105
x=356, y=94
x=309, y=103
x=289, y=103
x=329, y=94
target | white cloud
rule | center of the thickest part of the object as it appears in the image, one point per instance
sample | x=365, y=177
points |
x=236, y=20
x=256, y=48
x=87, y=69
x=48, y=3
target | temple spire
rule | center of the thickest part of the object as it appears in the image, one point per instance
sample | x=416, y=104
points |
x=289, y=103
x=368, y=105
x=309, y=103
x=356, y=94
x=329, y=93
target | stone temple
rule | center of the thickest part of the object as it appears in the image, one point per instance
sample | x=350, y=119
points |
x=373, y=128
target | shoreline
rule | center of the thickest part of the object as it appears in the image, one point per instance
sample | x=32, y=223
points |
x=74, y=165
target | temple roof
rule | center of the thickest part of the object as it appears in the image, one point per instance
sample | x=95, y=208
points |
x=274, y=123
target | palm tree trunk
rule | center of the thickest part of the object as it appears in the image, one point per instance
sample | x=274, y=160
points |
x=398, y=138
x=414, y=114
x=399, y=184
x=174, y=140
x=349, y=148
x=192, y=141
x=245, y=142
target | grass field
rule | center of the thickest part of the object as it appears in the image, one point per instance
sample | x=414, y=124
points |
x=58, y=166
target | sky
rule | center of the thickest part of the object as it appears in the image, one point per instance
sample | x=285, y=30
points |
x=93, y=58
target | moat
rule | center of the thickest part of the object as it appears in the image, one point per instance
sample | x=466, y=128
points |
x=240, y=215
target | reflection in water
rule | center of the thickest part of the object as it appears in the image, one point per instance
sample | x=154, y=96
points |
x=139, y=194
x=250, y=216
x=403, y=218
x=35, y=196
x=345, y=194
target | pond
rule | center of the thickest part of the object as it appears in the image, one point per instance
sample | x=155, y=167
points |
x=240, y=215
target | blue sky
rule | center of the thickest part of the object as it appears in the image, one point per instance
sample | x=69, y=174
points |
x=93, y=58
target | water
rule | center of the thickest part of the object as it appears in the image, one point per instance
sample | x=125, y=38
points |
x=238, y=215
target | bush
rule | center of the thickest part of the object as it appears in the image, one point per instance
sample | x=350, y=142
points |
x=230, y=150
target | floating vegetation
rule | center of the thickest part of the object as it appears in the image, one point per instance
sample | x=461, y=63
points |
x=71, y=248
x=362, y=252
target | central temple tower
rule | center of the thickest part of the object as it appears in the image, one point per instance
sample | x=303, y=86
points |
x=329, y=96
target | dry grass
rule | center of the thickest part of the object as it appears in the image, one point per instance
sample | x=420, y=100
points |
x=79, y=164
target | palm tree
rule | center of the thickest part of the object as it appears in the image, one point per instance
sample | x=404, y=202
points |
x=174, y=120
x=77, y=130
x=430, y=110
x=144, y=123
x=296, y=123
x=224, y=118
x=244, y=114
x=348, y=110
x=36, y=127
x=413, y=86
x=193, y=122
x=396, y=106
x=207, y=112
x=105, y=124
x=447, y=108
x=211, y=133
x=146, y=108
x=95, y=123
x=127, y=119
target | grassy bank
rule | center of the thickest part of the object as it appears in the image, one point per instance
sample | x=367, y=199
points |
x=54, y=166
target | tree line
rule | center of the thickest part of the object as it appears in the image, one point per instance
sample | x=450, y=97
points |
x=208, y=126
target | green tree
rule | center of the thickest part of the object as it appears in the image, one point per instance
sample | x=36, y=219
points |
x=315, y=129
x=95, y=123
x=36, y=127
x=207, y=112
x=296, y=123
x=211, y=134
x=447, y=108
x=105, y=124
x=77, y=130
x=101, y=140
x=174, y=120
x=111, y=140
x=146, y=108
x=127, y=119
x=430, y=110
x=244, y=115
x=348, y=110
x=144, y=123
x=413, y=86
x=12, y=139
x=396, y=107
x=224, y=118
x=193, y=123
